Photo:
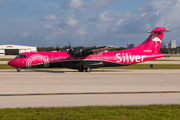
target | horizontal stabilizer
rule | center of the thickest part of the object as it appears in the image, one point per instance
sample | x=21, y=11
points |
x=160, y=29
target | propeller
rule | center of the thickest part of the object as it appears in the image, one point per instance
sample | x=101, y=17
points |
x=70, y=48
x=70, y=51
x=57, y=48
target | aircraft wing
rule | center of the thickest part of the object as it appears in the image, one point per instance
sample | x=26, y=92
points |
x=89, y=51
x=97, y=50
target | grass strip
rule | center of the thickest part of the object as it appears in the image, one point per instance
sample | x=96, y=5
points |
x=146, y=66
x=163, y=60
x=135, y=66
x=172, y=55
x=157, y=112
x=5, y=59
x=5, y=66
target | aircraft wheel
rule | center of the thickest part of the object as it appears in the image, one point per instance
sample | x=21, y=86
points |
x=18, y=69
x=88, y=69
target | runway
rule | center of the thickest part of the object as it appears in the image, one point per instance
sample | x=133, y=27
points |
x=132, y=87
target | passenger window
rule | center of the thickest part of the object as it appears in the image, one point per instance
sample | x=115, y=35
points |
x=111, y=57
x=49, y=58
x=91, y=57
x=101, y=57
x=114, y=57
x=59, y=58
x=56, y=58
x=88, y=57
x=53, y=58
x=98, y=57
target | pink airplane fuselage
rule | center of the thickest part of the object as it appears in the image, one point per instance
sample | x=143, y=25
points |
x=147, y=50
x=114, y=58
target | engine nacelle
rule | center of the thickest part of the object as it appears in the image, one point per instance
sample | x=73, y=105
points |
x=75, y=52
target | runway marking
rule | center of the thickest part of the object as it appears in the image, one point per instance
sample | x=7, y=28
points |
x=90, y=93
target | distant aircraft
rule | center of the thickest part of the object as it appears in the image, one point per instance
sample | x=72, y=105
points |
x=87, y=59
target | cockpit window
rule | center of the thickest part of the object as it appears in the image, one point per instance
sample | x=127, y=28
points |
x=21, y=56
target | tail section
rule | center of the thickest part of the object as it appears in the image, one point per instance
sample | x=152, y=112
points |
x=153, y=43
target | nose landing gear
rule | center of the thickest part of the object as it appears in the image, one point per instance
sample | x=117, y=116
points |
x=18, y=69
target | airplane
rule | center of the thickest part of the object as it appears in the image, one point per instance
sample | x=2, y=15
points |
x=87, y=59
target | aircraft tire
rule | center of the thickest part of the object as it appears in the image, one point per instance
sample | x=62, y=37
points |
x=18, y=69
x=88, y=69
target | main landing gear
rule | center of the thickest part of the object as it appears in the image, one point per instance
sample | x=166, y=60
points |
x=87, y=69
x=18, y=69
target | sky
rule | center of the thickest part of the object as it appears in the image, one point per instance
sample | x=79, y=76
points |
x=45, y=23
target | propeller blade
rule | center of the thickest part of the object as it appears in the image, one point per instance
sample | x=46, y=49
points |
x=57, y=48
x=69, y=46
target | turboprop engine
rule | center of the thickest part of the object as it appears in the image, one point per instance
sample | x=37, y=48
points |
x=75, y=52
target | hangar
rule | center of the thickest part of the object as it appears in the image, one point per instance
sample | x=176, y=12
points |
x=15, y=49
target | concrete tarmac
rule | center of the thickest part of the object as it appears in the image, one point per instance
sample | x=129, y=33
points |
x=71, y=81
x=4, y=62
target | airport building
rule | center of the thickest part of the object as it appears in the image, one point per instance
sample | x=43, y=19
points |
x=15, y=49
x=164, y=45
x=172, y=44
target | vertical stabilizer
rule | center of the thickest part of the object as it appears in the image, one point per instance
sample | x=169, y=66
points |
x=153, y=43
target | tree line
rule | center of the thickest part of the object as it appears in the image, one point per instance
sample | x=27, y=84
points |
x=49, y=49
x=170, y=50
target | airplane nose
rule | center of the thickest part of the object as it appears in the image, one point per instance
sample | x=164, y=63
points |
x=10, y=63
